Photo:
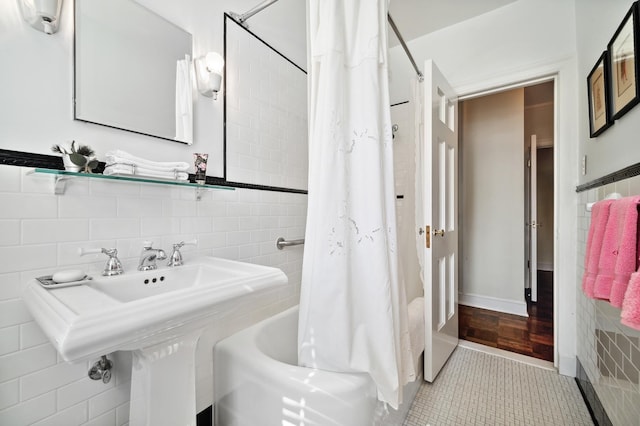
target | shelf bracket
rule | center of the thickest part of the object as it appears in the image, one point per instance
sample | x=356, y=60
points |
x=60, y=185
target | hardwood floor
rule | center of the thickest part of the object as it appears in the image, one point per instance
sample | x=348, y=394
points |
x=531, y=336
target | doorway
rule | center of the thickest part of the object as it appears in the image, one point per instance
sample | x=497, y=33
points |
x=504, y=203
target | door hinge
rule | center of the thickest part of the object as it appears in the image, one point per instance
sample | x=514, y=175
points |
x=529, y=163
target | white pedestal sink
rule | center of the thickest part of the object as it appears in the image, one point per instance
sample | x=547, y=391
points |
x=159, y=315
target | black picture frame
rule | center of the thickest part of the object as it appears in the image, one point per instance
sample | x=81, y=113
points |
x=623, y=65
x=598, y=84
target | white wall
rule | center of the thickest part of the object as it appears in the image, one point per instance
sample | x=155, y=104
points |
x=515, y=43
x=539, y=122
x=617, y=147
x=492, y=202
x=41, y=232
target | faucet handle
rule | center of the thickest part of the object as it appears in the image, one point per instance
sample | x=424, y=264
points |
x=185, y=243
x=84, y=251
x=113, y=266
x=176, y=257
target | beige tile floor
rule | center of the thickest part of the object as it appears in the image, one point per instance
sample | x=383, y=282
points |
x=476, y=388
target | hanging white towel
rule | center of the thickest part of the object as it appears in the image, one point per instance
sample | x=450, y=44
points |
x=353, y=309
x=184, y=101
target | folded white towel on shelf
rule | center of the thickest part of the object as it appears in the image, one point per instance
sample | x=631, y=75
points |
x=132, y=170
x=119, y=156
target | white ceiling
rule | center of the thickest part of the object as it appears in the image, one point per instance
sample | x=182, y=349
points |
x=415, y=18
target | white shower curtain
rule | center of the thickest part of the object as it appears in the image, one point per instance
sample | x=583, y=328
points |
x=353, y=311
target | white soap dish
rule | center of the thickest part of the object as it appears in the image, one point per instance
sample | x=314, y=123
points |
x=47, y=281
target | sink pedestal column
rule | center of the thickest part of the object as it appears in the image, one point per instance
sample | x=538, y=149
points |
x=163, y=385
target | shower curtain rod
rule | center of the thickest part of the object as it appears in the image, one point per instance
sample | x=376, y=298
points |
x=404, y=46
x=241, y=19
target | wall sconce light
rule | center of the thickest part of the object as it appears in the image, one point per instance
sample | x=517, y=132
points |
x=43, y=15
x=209, y=74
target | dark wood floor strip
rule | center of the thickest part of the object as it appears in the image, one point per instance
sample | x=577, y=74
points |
x=531, y=336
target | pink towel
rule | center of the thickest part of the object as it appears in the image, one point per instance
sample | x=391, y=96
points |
x=619, y=247
x=626, y=263
x=630, y=315
x=599, y=216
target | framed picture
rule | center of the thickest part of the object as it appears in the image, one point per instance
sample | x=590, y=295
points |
x=623, y=65
x=598, y=93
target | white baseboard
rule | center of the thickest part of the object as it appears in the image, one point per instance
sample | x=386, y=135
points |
x=567, y=365
x=494, y=304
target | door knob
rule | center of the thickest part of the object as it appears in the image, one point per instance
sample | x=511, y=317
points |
x=420, y=231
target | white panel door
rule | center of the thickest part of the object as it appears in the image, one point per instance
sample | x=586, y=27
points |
x=440, y=221
x=533, y=235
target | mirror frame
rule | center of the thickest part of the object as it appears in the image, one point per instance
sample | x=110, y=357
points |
x=75, y=78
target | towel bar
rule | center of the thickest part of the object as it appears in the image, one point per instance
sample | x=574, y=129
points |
x=282, y=243
x=612, y=196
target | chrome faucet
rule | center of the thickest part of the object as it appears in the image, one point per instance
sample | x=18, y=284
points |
x=176, y=257
x=113, y=265
x=149, y=256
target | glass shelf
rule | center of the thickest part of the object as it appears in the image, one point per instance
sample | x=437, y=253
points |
x=62, y=176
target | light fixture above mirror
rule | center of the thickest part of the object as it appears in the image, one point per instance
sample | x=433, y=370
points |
x=43, y=15
x=209, y=74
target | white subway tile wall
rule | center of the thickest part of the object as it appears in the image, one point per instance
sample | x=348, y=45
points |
x=404, y=164
x=41, y=232
x=608, y=351
x=266, y=120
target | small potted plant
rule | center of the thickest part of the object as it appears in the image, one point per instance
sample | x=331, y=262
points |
x=78, y=158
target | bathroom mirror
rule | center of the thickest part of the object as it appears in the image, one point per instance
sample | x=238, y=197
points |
x=130, y=70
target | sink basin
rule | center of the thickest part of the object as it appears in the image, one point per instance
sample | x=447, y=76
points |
x=139, y=309
x=181, y=279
